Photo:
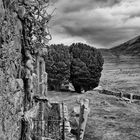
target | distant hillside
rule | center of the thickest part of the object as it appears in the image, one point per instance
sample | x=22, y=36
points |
x=131, y=47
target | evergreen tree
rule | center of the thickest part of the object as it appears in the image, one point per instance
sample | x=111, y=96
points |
x=86, y=67
x=57, y=66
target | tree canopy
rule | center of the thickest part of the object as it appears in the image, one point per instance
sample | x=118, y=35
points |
x=79, y=64
x=57, y=65
x=86, y=66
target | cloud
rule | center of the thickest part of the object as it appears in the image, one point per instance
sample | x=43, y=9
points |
x=101, y=23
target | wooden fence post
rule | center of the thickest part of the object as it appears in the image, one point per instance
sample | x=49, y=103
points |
x=63, y=128
x=84, y=111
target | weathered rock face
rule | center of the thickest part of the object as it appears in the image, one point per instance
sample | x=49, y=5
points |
x=20, y=22
x=11, y=96
x=11, y=84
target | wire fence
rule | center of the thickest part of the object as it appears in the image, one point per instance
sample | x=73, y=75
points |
x=52, y=127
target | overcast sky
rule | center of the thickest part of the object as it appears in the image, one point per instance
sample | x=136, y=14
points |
x=100, y=23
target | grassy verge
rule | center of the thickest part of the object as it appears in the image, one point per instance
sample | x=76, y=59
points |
x=110, y=118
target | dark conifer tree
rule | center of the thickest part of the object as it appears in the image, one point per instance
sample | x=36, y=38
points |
x=86, y=66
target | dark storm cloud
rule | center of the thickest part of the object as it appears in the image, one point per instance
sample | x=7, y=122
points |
x=102, y=36
x=78, y=5
x=103, y=23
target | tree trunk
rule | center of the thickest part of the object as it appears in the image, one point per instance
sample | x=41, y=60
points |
x=77, y=88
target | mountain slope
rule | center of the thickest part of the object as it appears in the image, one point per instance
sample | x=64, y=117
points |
x=131, y=47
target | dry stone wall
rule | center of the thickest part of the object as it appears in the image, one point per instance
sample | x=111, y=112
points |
x=11, y=83
x=23, y=33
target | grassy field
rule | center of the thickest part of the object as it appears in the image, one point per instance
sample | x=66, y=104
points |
x=121, y=74
x=110, y=117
